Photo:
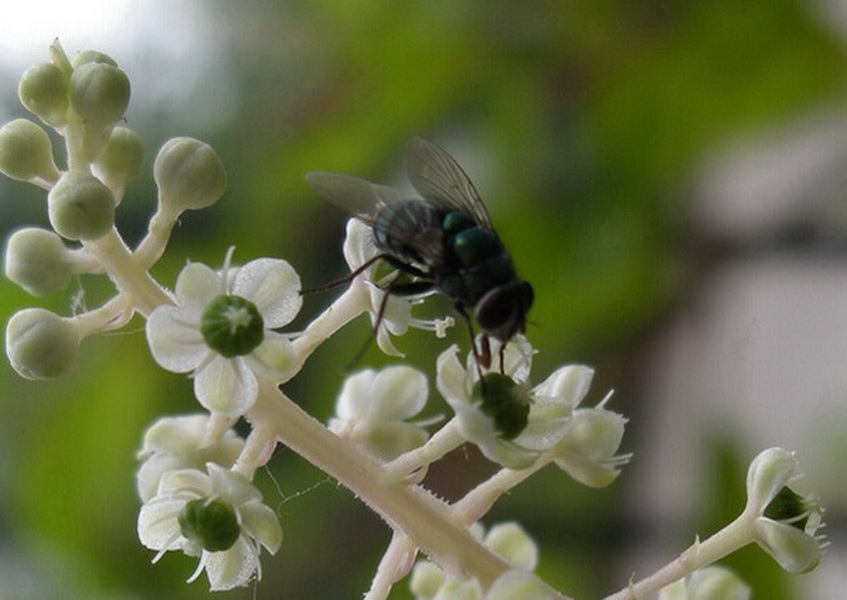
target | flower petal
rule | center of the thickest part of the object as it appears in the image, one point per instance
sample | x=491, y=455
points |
x=176, y=344
x=231, y=568
x=233, y=487
x=769, y=472
x=226, y=387
x=520, y=585
x=451, y=377
x=794, y=550
x=358, y=244
x=273, y=286
x=196, y=285
x=570, y=382
x=158, y=524
x=275, y=357
x=262, y=524
x=355, y=398
x=399, y=392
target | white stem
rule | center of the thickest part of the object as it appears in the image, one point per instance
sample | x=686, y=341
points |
x=445, y=439
x=153, y=245
x=349, y=305
x=131, y=279
x=395, y=564
x=425, y=519
x=479, y=500
x=734, y=536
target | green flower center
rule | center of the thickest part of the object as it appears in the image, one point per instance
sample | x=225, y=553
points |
x=789, y=507
x=504, y=402
x=232, y=326
x=211, y=525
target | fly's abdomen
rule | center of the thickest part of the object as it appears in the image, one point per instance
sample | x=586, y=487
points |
x=410, y=230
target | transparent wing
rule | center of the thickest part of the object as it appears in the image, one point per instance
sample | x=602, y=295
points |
x=355, y=195
x=440, y=179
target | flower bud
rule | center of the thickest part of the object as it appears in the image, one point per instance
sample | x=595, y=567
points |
x=25, y=152
x=93, y=56
x=80, y=207
x=121, y=160
x=36, y=259
x=43, y=90
x=513, y=543
x=99, y=93
x=41, y=344
x=189, y=174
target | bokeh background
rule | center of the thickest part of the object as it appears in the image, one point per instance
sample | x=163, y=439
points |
x=670, y=175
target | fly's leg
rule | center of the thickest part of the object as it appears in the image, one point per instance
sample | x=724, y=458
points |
x=391, y=260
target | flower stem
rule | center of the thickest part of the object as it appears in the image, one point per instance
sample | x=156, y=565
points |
x=411, y=510
x=479, y=500
x=131, y=280
x=734, y=536
x=445, y=439
x=395, y=564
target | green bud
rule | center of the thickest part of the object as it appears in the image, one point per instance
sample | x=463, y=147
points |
x=25, y=152
x=80, y=207
x=232, y=326
x=93, y=56
x=121, y=160
x=211, y=525
x=43, y=90
x=99, y=93
x=189, y=174
x=41, y=344
x=36, y=259
x=503, y=401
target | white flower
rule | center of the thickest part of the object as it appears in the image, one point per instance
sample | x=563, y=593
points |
x=221, y=330
x=373, y=407
x=588, y=449
x=510, y=425
x=517, y=548
x=397, y=317
x=174, y=443
x=785, y=523
x=217, y=516
x=711, y=583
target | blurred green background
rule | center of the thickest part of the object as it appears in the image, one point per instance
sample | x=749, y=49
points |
x=586, y=126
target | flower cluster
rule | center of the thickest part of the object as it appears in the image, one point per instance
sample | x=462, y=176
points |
x=222, y=328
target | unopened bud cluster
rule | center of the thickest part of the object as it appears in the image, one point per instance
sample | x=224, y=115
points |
x=82, y=101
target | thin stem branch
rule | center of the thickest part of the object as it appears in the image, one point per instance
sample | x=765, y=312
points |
x=734, y=536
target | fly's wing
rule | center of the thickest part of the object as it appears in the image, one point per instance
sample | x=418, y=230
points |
x=357, y=196
x=413, y=223
x=440, y=179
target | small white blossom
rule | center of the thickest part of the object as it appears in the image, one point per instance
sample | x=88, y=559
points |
x=711, y=583
x=785, y=523
x=397, y=317
x=174, y=443
x=549, y=403
x=373, y=407
x=588, y=449
x=221, y=330
x=217, y=516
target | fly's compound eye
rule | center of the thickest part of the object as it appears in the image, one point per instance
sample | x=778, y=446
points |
x=502, y=312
